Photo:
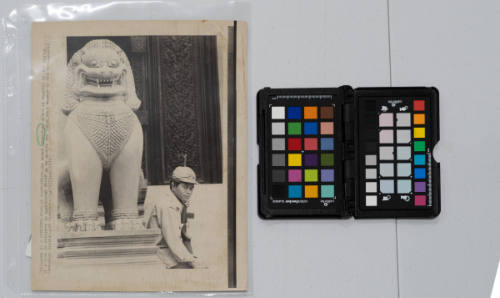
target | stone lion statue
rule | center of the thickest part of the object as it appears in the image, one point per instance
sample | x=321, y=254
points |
x=101, y=134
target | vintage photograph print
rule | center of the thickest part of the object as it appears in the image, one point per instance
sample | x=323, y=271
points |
x=139, y=156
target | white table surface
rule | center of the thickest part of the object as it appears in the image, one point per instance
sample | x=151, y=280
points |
x=453, y=45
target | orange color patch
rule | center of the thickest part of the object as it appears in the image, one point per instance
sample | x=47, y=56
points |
x=311, y=191
x=418, y=118
x=310, y=112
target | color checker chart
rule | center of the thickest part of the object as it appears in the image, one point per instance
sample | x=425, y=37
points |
x=303, y=153
x=395, y=135
x=341, y=152
x=400, y=157
x=299, y=133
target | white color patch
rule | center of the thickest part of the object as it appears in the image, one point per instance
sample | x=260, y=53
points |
x=371, y=200
x=278, y=112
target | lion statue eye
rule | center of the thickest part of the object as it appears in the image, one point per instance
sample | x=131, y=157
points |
x=76, y=59
x=113, y=63
x=94, y=63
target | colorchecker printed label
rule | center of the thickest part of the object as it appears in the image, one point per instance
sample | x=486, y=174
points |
x=301, y=131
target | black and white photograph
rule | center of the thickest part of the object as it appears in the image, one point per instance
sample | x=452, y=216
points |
x=145, y=157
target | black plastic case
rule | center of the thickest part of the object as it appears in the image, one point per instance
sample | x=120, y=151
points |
x=349, y=104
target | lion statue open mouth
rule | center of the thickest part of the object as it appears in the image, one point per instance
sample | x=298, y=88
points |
x=99, y=70
x=102, y=133
x=100, y=73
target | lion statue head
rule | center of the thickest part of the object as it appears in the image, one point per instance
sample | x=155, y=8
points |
x=100, y=70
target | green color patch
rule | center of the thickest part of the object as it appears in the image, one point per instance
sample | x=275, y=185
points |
x=326, y=159
x=310, y=175
x=294, y=128
x=419, y=146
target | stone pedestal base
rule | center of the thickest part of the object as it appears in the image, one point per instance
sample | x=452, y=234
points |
x=110, y=246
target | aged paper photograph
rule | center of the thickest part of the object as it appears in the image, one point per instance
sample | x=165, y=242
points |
x=139, y=156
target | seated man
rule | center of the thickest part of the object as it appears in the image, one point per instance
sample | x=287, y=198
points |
x=169, y=213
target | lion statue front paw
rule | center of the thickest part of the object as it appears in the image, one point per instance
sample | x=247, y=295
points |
x=87, y=225
x=126, y=224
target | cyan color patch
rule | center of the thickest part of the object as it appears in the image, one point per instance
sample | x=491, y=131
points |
x=419, y=159
x=327, y=191
x=419, y=173
x=295, y=191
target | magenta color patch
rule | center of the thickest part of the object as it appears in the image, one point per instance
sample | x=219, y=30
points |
x=420, y=200
x=420, y=186
x=294, y=175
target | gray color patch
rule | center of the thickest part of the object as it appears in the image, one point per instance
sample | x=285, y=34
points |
x=404, y=152
x=403, y=135
x=278, y=160
x=404, y=186
x=387, y=169
x=387, y=153
x=278, y=128
x=278, y=144
x=386, y=186
x=404, y=169
x=371, y=160
x=403, y=119
x=371, y=173
x=279, y=176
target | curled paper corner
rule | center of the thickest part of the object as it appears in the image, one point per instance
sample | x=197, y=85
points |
x=28, y=249
x=495, y=292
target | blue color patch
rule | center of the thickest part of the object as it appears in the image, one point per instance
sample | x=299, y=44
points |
x=419, y=173
x=326, y=143
x=310, y=128
x=294, y=112
x=419, y=159
x=295, y=191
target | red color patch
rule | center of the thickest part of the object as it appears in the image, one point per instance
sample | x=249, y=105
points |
x=294, y=144
x=419, y=105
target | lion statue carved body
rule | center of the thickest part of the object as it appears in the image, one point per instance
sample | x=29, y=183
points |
x=101, y=134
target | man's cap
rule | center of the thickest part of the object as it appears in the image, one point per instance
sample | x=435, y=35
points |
x=184, y=174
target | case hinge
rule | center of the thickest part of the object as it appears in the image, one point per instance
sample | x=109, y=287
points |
x=348, y=150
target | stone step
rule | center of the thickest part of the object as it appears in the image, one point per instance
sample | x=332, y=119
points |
x=116, y=246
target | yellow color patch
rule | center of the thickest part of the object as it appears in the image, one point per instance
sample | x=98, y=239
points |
x=419, y=132
x=311, y=191
x=418, y=118
x=294, y=159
